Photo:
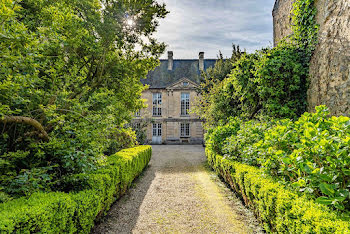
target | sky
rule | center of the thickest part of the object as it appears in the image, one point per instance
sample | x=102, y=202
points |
x=193, y=26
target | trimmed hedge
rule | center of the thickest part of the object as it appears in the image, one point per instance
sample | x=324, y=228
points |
x=76, y=211
x=279, y=209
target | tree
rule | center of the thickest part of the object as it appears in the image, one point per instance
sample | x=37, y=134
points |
x=70, y=81
x=210, y=86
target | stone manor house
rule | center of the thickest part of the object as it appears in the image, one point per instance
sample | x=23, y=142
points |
x=170, y=97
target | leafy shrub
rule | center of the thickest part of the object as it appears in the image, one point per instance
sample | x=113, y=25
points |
x=88, y=197
x=280, y=210
x=215, y=138
x=270, y=82
x=240, y=146
x=281, y=81
x=69, y=84
x=4, y=197
x=310, y=155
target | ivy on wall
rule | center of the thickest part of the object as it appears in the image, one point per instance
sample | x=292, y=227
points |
x=304, y=25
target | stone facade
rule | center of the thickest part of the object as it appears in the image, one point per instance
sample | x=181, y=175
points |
x=330, y=64
x=282, y=20
x=171, y=117
x=169, y=85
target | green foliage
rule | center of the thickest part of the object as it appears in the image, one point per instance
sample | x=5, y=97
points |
x=240, y=146
x=215, y=138
x=280, y=210
x=42, y=212
x=220, y=71
x=310, y=155
x=304, y=25
x=281, y=82
x=210, y=88
x=91, y=195
x=140, y=128
x=73, y=68
x=270, y=82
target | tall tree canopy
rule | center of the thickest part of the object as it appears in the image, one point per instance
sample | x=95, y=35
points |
x=69, y=83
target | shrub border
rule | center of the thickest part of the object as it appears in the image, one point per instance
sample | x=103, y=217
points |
x=278, y=209
x=75, y=212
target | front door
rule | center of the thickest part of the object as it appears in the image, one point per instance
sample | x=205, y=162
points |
x=157, y=133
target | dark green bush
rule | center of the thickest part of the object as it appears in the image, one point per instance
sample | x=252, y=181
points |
x=270, y=82
x=281, y=81
x=88, y=197
x=68, y=86
x=240, y=146
x=216, y=137
x=310, y=155
x=280, y=210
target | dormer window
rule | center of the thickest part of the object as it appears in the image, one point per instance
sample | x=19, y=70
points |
x=185, y=83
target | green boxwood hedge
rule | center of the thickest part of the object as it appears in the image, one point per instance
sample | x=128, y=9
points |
x=90, y=197
x=279, y=209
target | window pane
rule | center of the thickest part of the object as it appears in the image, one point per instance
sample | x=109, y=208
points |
x=154, y=130
x=185, y=103
x=157, y=102
x=185, y=129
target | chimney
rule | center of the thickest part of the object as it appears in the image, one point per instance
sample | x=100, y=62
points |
x=170, y=60
x=201, y=61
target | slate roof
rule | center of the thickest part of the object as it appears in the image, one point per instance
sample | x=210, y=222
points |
x=161, y=77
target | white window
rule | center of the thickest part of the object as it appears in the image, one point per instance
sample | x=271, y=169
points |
x=185, y=130
x=185, y=104
x=138, y=113
x=157, y=129
x=157, y=104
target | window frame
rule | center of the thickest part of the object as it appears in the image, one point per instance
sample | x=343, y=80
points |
x=185, y=104
x=157, y=104
x=185, y=130
x=157, y=130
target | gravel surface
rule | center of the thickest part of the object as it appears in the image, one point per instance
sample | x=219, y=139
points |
x=177, y=193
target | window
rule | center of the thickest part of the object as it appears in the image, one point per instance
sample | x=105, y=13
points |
x=185, y=129
x=157, y=104
x=185, y=104
x=157, y=129
x=185, y=83
x=138, y=113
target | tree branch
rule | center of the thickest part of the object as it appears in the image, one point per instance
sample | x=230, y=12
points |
x=26, y=120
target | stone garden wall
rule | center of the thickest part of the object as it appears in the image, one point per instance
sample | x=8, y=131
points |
x=330, y=64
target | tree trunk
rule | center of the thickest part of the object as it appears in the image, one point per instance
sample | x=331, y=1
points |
x=26, y=120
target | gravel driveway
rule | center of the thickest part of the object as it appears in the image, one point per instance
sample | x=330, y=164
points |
x=177, y=193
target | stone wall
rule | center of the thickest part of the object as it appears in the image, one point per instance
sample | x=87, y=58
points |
x=282, y=19
x=330, y=64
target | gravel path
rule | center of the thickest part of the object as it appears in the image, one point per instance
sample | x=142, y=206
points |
x=177, y=193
